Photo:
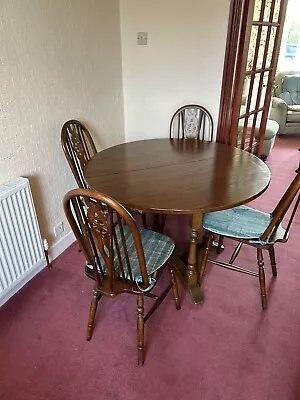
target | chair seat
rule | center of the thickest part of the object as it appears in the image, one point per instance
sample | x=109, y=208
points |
x=239, y=222
x=157, y=250
x=293, y=116
x=294, y=108
x=272, y=128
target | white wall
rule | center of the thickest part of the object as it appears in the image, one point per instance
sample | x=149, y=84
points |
x=59, y=59
x=182, y=63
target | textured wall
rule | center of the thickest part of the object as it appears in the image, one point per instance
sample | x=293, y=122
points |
x=59, y=59
x=182, y=63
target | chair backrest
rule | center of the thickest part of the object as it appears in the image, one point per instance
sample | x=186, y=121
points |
x=192, y=121
x=282, y=208
x=78, y=147
x=279, y=78
x=109, y=238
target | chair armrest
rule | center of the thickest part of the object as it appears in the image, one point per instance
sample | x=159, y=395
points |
x=278, y=102
x=279, y=113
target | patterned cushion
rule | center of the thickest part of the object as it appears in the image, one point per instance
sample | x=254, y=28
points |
x=291, y=89
x=157, y=249
x=239, y=222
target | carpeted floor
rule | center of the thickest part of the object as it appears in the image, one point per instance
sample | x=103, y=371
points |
x=225, y=349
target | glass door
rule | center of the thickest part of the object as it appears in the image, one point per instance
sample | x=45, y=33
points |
x=253, y=43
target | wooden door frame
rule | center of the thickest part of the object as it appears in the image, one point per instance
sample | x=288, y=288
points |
x=231, y=58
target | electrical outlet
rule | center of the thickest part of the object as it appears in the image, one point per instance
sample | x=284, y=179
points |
x=58, y=229
x=142, y=38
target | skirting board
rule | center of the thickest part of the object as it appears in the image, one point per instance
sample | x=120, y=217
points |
x=61, y=245
x=54, y=251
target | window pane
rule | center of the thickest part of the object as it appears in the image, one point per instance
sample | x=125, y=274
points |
x=251, y=52
x=262, y=46
x=276, y=10
x=269, y=6
x=289, y=58
x=271, y=46
x=257, y=10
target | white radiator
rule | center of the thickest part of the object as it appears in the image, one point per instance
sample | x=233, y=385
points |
x=21, y=250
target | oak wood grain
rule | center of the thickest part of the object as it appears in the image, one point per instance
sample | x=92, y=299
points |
x=177, y=176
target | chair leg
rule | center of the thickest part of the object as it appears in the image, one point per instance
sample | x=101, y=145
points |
x=235, y=253
x=273, y=260
x=140, y=328
x=175, y=288
x=93, y=309
x=144, y=219
x=220, y=247
x=261, y=275
x=208, y=243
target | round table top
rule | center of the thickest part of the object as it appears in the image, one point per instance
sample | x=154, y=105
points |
x=177, y=176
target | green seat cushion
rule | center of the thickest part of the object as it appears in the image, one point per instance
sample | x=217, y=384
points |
x=157, y=249
x=239, y=222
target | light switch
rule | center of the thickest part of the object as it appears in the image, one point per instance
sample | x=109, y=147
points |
x=142, y=38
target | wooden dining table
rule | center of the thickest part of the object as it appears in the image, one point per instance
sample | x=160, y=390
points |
x=172, y=176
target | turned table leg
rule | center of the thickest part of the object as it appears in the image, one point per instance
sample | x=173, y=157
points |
x=186, y=263
x=192, y=267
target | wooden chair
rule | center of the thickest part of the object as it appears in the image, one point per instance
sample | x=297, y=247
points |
x=122, y=258
x=252, y=227
x=79, y=147
x=192, y=121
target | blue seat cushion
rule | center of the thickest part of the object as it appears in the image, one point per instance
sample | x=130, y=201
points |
x=157, y=250
x=239, y=222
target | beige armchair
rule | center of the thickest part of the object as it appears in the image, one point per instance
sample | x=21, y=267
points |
x=286, y=103
x=272, y=128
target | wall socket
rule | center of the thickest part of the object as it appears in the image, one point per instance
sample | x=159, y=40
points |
x=142, y=38
x=58, y=229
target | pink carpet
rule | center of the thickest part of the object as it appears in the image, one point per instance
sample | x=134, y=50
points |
x=225, y=349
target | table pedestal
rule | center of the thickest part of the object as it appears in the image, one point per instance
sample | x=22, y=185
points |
x=188, y=273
